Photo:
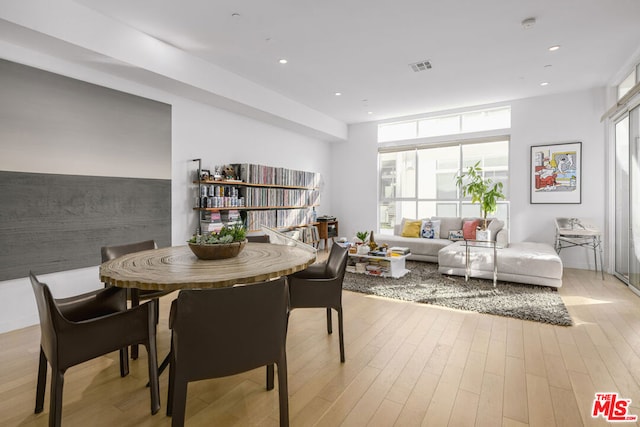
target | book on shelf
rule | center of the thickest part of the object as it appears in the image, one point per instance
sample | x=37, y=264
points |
x=268, y=175
x=214, y=222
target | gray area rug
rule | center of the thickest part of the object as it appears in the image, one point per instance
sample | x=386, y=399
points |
x=425, y=285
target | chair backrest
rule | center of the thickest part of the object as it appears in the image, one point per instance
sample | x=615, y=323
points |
x=112, y=252
x=220, y=332
x=50, y=316
x=337, y=262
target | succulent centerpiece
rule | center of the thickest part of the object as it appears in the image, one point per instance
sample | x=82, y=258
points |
x=226, y=243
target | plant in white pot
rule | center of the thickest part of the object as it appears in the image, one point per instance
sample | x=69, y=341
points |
x=482, y=190
x=361, y=239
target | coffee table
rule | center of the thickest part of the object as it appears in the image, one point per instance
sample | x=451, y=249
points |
x=469, y=244
x=390, y=266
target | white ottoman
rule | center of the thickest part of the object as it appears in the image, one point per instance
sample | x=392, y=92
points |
x=524, y=262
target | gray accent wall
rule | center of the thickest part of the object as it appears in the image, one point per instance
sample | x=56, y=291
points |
x=81, y=166
x=52, y=223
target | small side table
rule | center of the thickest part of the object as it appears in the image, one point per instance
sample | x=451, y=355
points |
x=327, y=230
x=582, y=232
x=468, y=244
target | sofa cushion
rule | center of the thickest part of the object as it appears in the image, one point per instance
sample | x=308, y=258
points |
x=448, y=224
x=411, y=228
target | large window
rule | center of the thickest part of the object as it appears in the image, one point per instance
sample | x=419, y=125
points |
x=419, y=181
x=450, y=124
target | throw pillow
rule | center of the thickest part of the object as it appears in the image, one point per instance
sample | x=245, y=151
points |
x=448, y=224
x=456, y=235
x=469, y=229
x=411, y=229
x=430, y=229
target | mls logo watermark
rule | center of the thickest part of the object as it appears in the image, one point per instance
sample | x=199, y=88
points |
x=612, y=408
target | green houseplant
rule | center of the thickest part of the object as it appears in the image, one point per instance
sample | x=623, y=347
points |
x=362, y=235
x=482, y=190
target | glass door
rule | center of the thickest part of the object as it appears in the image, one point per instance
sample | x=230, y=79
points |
x=634, y=191
x=627, y=226
x=622, y=199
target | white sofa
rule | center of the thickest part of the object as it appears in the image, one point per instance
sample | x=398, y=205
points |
x=427, y=249
x=524, y=262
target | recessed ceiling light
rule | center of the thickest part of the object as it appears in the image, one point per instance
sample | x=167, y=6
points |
x=235, y=15
x=554, y=48
x=283, y=61
x=369, y=112
x=544, y=84
x=338, y=93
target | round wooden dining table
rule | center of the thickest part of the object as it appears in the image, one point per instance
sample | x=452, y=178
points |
x=176, y=267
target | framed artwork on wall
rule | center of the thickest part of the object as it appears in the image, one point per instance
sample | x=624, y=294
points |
x=556, y=173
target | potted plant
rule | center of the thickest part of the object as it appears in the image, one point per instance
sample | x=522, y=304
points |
x=226, y=243
x=361, y=238
x=482, y=190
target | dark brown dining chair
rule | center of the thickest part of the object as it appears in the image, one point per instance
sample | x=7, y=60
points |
x=135, y=295
x=74, y=330
x=320, y=285
x=221, y=332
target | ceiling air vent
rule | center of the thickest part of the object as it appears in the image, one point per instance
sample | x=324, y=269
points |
x=420, y=66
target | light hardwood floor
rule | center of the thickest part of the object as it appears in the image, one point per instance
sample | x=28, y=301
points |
x=407, y=364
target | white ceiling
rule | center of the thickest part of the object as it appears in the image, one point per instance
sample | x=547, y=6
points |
x=479, y=50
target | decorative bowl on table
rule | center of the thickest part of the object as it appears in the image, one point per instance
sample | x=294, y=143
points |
x=228, y=242
x=217, y=250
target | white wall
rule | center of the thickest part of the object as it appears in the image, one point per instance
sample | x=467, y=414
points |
x=219, y=137
x=198, y=131
x=559, y=118
x=566, y=117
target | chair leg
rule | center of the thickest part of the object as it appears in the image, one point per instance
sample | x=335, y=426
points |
x=154, y=384
x=329, y=326
x=124, y=361
x=341, y=334
x=156, y=302
x=172, y=379
x=152, y=354
x=55, y=405
x=42, y=382
x=135, y=301
x=270, y=377
x=179, y=402
x=283, y=392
